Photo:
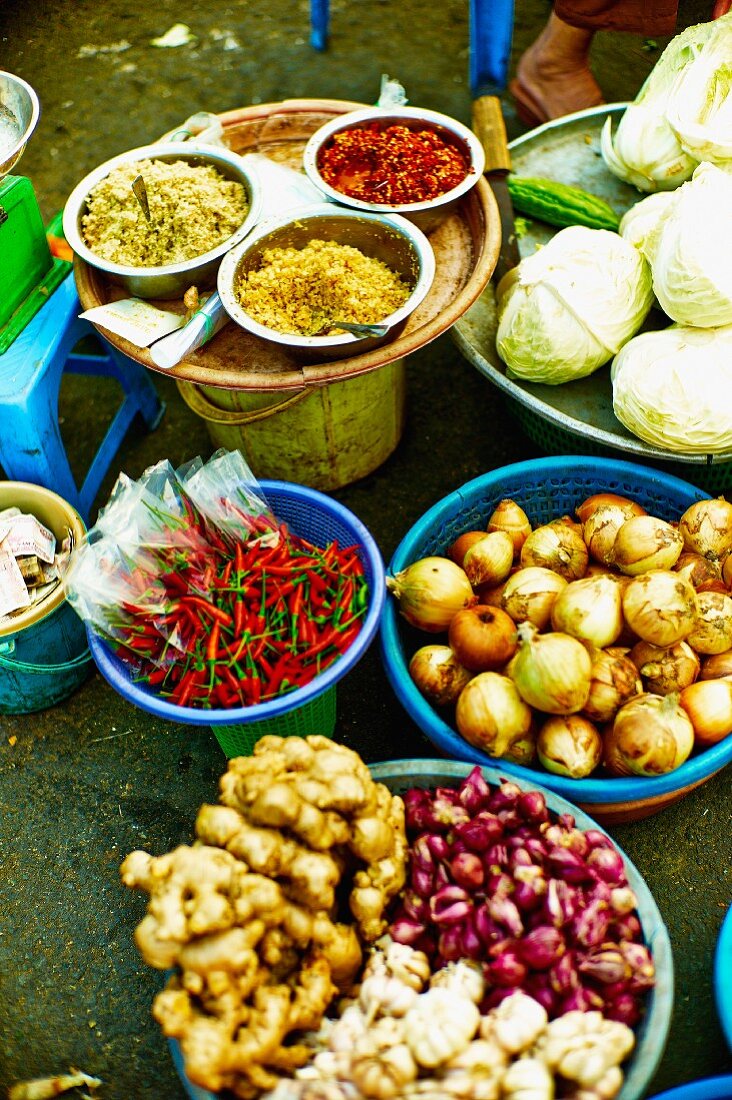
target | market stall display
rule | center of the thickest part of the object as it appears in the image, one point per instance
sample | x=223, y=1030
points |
x=546, y=490
x=578, y=414
x=215, y=600
x=295, y=278
x=384, y=979
x=405, y=160
x=465, y=247
x=201, y=202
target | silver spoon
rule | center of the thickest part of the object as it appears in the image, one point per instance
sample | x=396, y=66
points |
x=356, y=329
x=140, y=192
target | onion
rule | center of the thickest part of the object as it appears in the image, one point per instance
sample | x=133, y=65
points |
x=529, y=595
x=551, y=671
x=665, y=669
x=660, y=607
x=569, y=745
x=716, y=666
x=590, y=609
x=600, y=529
x=510, y=517
x=489, y=559
x=646, y=542
x=651, y=735
x=708, y=704
x=706, y=527
x=696, y=569
x=438, y=674
x=727, y=569
x=491, y=714
x=522, y=751
x=613, y=681
x=712, y=632
x=482, y=638
x=457, y=549
x=591, y=504
x=430, y=591
x=556, y=546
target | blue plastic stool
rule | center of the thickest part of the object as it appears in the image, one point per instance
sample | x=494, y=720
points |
x=31, y=448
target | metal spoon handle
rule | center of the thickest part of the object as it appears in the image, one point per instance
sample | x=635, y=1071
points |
x=140, y=191
x=360, y=330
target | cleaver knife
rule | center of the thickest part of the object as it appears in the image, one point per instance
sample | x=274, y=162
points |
x=489, y=127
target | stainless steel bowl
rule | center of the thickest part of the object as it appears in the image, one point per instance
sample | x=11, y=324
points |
x=19, y=113
x=168, y=280
x=427, y=215
x=398, y=243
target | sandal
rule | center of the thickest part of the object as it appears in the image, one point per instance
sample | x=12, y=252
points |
x=527, y=108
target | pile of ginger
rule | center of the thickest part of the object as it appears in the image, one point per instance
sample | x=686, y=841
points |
x=248, y=916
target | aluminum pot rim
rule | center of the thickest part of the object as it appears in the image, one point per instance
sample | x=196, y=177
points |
x=11, y=156
x=76, y=201
x=351, y=119
x=230, y=263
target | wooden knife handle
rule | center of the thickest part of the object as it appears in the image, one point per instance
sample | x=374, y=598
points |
x=490, y=129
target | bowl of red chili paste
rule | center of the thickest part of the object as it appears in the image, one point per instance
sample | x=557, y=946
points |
x=407, y=160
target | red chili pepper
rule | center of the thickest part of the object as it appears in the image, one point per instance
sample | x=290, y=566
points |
x=240, y=609
x=212, y=643
x=209, y=608
x=239, y=558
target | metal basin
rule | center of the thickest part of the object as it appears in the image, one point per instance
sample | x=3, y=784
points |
x=168, y=280
x=19, y=113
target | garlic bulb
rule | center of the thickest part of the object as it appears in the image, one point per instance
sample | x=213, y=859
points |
x=385, y=995
x=527, y=1079
x=382, y=1075
x=439, y=1025
x=516, y=1023
x=464, y=977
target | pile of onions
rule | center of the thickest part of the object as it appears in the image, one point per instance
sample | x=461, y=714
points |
x=545, y=907
x=580, y=616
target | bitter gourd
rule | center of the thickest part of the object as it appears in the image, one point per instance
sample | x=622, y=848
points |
x=560, y=204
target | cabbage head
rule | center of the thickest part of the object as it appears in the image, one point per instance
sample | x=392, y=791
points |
x=573, y=305
x=699, y=108
x=645, y=150
x=690, y=251
x=640, y=224
x=673, y=389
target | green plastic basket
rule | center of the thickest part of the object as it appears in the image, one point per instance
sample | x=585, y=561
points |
x=714, y=478
x=317, y=716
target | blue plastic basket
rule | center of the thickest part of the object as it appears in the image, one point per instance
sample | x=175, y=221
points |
x=310, y=709
x=723, y=977
x=710, y=1088
x=652, y=1032
x=545, y=488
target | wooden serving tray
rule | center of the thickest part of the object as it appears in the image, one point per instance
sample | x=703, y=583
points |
x=465, y=244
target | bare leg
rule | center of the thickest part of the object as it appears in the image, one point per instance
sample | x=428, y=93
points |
x=553, y=77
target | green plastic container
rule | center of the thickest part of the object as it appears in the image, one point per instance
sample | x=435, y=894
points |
x=44, y=654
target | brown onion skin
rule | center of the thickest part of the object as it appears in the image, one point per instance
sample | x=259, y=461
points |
x=590, y=504
x=706, y=527
x=581, y=734
x=696, y=568
x=643, y=726
x=457, y=550
x=713, y=631
x=614, y=680
x=439, y=680
x=482, y=638
x=679, y=657
x=716, y=666
x=510, y=517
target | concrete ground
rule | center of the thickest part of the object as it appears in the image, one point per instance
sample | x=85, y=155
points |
x=93, y=778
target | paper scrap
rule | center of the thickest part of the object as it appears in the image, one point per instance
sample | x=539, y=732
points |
x=13, y=593
x=135, y=320
x=28, y=536
x=178, y=35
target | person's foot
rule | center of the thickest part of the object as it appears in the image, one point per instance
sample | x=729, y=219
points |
x=553, y=77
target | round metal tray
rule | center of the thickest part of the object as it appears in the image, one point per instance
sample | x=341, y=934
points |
x=567, y=150
x=465, y=244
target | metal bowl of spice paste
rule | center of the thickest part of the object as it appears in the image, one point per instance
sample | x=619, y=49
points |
x=404, y=160
x=295, y=277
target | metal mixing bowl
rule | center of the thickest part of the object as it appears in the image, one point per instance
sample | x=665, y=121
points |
x=387, y=237
x=19, y=113
x=168, y=280
x=427, y=215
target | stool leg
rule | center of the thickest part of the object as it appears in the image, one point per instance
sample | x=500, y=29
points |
x=31, y=448
x=132, y=376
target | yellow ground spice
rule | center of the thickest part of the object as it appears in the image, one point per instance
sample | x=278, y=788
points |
x=193, y=208
x=300, y=290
